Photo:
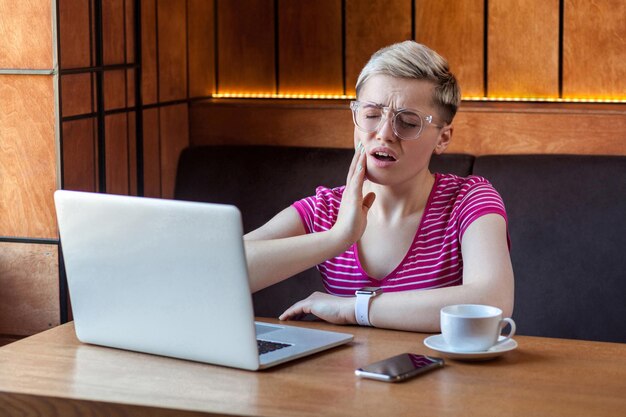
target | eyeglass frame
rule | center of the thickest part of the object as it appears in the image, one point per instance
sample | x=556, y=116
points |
x=427, y=118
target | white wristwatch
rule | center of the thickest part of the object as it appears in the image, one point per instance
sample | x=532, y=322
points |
x=362, y=306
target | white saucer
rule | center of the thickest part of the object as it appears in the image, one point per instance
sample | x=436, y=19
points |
x=437, y=343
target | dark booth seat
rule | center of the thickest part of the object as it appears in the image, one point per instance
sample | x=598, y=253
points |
x=567, y=218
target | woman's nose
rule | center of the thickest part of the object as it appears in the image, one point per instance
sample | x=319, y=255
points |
x=385, y=130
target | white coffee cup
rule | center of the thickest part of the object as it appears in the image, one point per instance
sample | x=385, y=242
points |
x=473, y=327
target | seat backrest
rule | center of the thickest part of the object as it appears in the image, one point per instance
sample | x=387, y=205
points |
x=567, y=222
x=263, y=180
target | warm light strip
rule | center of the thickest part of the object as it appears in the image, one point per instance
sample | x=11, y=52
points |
x=471, y=98
x=546, y=99
x=285, y=96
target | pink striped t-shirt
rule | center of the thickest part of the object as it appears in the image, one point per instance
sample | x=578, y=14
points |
x=434, y=257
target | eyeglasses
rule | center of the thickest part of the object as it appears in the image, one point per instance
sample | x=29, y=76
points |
x=407, y=124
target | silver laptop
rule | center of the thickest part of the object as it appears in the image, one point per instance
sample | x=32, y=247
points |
x=169, y=278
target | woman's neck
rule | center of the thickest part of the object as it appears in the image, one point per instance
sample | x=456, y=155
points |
x=402, y=200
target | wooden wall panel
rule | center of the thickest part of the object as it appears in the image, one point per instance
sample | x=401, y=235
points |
x=113, y=26
x=131, y=120
x=151, y=154
x=114, y=89
x=174, y=127
x=79, y=155
x=370, y=26
x=299, y=123
x=129, y=30
x=30, y=288
x=245, y=45
x=27, y=156
x=172, y=54
x=116, y=148
x=310, y=42
x=74, y=33
x=149, y=84
x=76, y=94
x=594, y=49
x=523, y=48
x=454, y=28
x=26, y=34
x=201, y=38
x=479, y=130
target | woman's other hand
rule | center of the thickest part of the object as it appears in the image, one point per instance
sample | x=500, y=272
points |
x=330, y=308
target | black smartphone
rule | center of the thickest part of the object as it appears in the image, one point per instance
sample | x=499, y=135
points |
x=399, y=368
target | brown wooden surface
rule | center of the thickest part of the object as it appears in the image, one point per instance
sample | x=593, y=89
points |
x=172, y=54
x=551, y=377
x=79, y=155
x=309, y=39
x=26, y=34
x=174, y=137
x=523, y=48
x=29, y=288
x=454, y=29
x=76, y=97
x=480, y=129
x=113, y=25
x=28, y=157
x=74, y=33
x=116, y=148
x=149, y=65
x=594, y=49
x=201, y=43
x=151, y=153
x=114, y=89
x=371, y=25
x=245, y=46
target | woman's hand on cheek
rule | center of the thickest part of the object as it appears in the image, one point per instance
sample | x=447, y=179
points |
x=330, y=308
x=352, y=216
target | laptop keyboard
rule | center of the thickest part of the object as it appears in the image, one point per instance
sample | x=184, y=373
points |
x=266, y=346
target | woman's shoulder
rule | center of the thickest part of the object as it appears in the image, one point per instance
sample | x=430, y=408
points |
x=456, y=181
x=457, y=188
x=329, y=194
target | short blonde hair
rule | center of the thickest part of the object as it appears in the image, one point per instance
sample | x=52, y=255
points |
x=410, y=59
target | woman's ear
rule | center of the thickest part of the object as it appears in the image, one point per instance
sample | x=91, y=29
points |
x=445, y=136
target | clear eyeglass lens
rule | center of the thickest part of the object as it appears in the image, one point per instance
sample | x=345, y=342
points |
x=407, y=124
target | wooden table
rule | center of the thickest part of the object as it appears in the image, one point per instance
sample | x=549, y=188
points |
x=54, y=373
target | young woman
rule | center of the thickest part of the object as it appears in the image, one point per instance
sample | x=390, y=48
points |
x=424, y=241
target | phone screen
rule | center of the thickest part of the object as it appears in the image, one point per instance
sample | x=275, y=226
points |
x=400, y=367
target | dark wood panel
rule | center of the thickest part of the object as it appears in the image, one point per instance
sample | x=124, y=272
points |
x=245, y=44
x=132, y=153
x=151, y=154
x=371, y=25
x=114, y=89
x=26, y=34
x=594, y=49
x=116, y=148
x=76, y=97
x=310, y=42
x=174, y=126
x=502, y=128
x=454, y=28
x=248, y=122
x=27, y=156
x=172, y=54
x=79, y=155
x=129, y=38
x=29, y=278
x=74, y=33
x=523, y=48
x=113, y=26
x=201, y=20
x=149, y=84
